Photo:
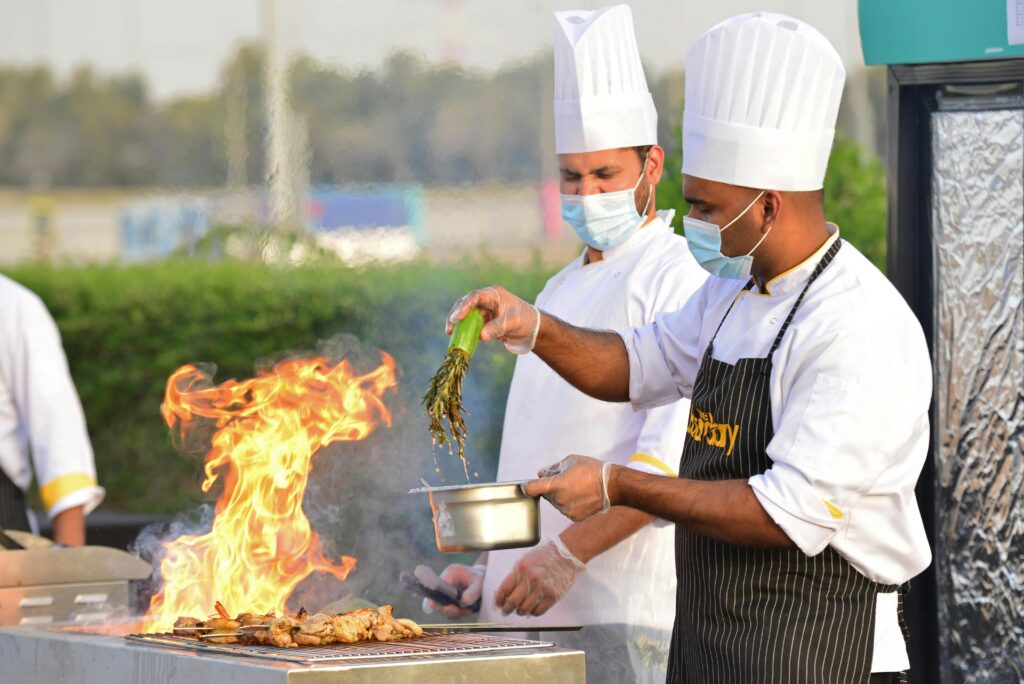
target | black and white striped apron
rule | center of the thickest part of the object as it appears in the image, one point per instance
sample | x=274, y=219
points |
x=746, y=614
x=12, y=505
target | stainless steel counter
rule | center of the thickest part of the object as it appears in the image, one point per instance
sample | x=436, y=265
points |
x=54, y=654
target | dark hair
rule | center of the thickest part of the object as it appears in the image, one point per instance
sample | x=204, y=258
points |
x=642, y=152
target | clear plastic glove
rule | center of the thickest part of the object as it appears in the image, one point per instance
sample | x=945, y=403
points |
x=577, y=486
x=469, y=580
x=539, y=579
x=508, y=317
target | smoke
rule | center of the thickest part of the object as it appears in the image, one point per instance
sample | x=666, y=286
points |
x=149, y=546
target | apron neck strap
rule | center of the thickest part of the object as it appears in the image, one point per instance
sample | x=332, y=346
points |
x=746, y=288
x=825, y=261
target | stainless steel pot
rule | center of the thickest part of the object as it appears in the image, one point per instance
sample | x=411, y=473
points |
x=483, y=517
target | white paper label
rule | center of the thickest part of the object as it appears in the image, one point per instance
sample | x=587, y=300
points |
x=1015, y=22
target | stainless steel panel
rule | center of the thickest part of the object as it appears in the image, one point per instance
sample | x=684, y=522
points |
x=63, y=602
x=60, y=565
x=978, y=219
x=62, y=657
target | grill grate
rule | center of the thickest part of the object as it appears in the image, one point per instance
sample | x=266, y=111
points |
x=427, y=645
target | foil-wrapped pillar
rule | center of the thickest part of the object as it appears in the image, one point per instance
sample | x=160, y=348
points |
x=978, y=238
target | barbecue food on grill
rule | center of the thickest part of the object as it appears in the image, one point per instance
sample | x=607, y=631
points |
x=279, y=633
x=355, y=625
x=248, y=619
x=390, y=628
x=222, y=631
x=315, y=631
x=187, y=625
x=358, y=625
x=364, y=624
x=220, y=628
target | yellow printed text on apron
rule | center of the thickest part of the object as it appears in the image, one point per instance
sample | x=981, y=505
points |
x=704, y=428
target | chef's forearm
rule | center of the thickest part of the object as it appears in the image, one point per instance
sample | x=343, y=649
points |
x=69, y=527
x=724, y=509
x=598, y=533
x=592, y=361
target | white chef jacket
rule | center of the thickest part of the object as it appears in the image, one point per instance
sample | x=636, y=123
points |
x=850, y=388
x=547, y=419
x=42, y=426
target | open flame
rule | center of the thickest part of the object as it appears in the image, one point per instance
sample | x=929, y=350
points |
x=267, y=430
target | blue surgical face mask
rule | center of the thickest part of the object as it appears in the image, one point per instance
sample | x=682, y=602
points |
x=705, y=242
x=607, y=219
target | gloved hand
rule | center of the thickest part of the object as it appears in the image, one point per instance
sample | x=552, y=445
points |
x=508, y=317
x=468, y=580
x=577, y=486
x=539, y=579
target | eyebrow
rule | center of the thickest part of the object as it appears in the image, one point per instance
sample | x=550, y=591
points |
x=694, y=200
x=598, y=171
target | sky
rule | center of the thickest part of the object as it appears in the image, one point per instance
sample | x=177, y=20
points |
x=181, y=45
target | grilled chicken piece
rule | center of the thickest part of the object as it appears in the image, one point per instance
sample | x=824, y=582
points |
x=411, y=626
x=315, y=631
x=389, y=628
x=247, y=619
x=185, y=626
x=279, y=633
x=222, y=631
x=355, y=625
x=363, y=624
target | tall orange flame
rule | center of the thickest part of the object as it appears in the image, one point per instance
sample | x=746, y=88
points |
x=267, y=430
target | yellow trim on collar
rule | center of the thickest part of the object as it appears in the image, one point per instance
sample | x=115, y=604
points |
x=832, y=510
x=814, y=257
x=654, y=462
x=55, y=490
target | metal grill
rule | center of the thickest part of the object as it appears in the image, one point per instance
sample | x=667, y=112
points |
x=430, y=644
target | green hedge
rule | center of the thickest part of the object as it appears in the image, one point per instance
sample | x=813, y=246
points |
x=126, y=329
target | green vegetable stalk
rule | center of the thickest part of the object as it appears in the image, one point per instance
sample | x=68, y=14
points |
x=443, y=400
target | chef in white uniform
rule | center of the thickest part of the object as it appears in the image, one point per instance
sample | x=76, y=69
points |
x=614, y=575
x=42, y=426
x=809, y=377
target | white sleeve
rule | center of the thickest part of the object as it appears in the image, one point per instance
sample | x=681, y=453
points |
x=659, y=445
x=852, y=406
x=667, y=290
x=51, y=413
x=664, y=355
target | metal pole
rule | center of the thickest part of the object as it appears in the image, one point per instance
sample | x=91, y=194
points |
x=283, y=203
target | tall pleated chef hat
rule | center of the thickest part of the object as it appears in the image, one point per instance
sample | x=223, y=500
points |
x=601, y=96
x=762, y=97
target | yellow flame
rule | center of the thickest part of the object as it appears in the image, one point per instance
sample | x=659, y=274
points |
x=261, y=544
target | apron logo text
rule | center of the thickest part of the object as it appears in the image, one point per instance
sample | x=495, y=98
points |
x=703, y=428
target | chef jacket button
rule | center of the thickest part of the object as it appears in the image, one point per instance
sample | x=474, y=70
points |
x=773, y=320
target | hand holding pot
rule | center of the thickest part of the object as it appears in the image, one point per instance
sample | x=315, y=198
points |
x=577, y=486
x=509, y=318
